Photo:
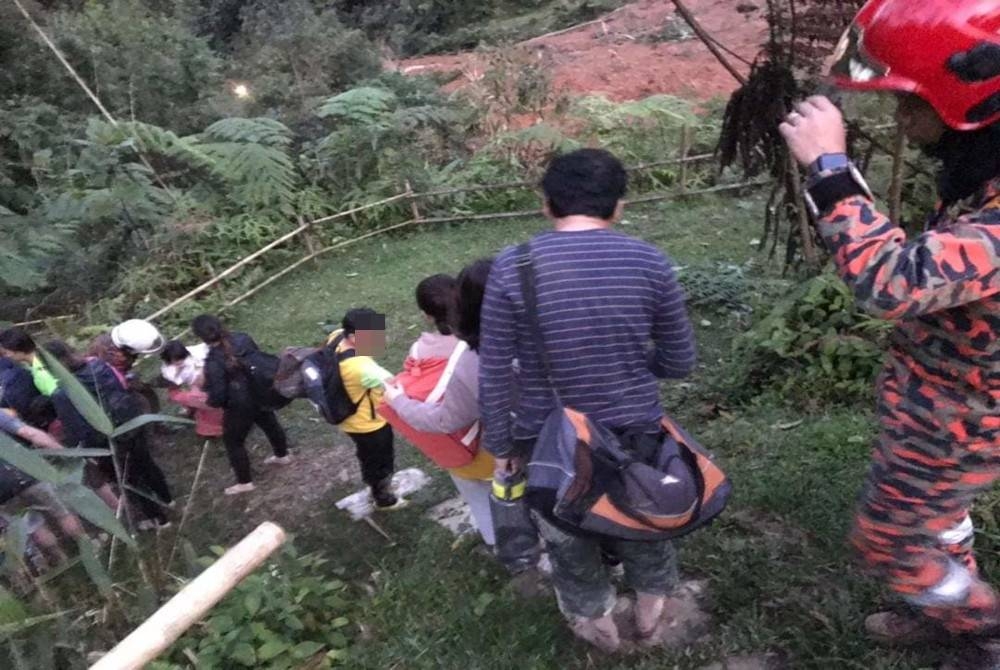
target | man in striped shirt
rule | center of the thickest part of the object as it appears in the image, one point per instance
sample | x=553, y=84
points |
x=614, y=321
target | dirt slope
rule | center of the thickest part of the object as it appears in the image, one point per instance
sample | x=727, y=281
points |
x=641, y=49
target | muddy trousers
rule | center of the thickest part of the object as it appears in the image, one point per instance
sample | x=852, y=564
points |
x=580, y=575
x=236, y=426
x=913, y=529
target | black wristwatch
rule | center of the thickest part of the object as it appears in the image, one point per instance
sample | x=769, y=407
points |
x=827, y=189
x=828, y=163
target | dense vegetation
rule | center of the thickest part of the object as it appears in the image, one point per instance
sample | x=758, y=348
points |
x=232, y=119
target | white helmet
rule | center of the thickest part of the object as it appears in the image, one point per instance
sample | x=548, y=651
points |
x=137, y=336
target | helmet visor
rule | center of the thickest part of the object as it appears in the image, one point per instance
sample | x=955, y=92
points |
x=853, y=67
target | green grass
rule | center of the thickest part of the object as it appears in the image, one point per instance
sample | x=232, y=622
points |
x=781, y=578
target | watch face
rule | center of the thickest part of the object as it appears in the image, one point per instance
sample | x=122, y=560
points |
x=832, y=162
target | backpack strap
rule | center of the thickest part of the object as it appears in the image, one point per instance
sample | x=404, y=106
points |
x=449, y=371
x=526, y=275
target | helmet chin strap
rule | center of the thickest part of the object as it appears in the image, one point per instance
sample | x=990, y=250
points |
x=969, y=160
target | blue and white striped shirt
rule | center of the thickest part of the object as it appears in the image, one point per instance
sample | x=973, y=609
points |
x=603, y=298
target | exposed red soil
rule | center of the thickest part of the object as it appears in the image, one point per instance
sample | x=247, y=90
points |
x=624, y=56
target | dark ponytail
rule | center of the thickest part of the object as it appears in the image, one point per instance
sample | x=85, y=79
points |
x=436, y=297
x=210, y=330
x=471, y=289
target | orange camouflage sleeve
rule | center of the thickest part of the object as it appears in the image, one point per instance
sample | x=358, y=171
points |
x=895, y=278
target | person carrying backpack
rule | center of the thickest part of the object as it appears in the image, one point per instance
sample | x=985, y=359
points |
x=17, y=345
x=443, y=422
x=612, y=319
x=236, y=380
x=143, y=482
x=938, y=447
x=345, y=383
x=17, y=388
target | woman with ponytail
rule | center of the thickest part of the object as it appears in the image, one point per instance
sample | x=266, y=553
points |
x=434, y=401
x=229, y=385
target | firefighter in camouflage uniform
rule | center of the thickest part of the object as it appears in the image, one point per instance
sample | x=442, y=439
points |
x=939, y=442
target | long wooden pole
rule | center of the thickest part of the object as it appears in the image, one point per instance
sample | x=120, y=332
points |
x=86, y=89
x=708, y=40
x=179, y=613
x=896, y=186
x=225, y=273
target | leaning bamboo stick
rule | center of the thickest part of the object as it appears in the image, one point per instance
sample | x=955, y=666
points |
x=179, y=613
x=896, y=186
x=225, y=273
x=805, y=230
x=311, y=256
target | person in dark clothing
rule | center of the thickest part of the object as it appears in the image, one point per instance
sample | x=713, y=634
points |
x=229, y=386
x=613, y=319
x=143, y=482
x=17, y=388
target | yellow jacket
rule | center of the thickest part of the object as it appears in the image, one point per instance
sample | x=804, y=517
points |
x=362, y=378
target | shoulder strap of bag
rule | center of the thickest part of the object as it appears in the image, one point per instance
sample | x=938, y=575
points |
x=526, y=274
x=446, y=376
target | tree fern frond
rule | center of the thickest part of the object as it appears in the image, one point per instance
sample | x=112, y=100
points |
x=412, y=118
x=258, y=130
x=365, y=104
x=260, y=176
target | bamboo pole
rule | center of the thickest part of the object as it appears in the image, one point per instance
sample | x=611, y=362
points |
x=36, y=322
x=359, y=208
x=896, y=186
x=86, y=89
x=708, y=40
x=414, y=210
x=189, y=503
x=685, y=148
x=805, y=230
x=179, y=613
x=225, y=273
x=311, y=256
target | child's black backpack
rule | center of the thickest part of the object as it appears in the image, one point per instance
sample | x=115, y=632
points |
x=261, y=368
x=336, y=405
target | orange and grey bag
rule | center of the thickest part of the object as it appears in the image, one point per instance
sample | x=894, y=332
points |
x=633, y=485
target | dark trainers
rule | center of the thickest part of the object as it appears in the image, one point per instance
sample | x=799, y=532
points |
x=982, y=654
x=903, y=629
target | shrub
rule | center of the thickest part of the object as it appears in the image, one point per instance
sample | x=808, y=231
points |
x=814, y=346
x=281, y=616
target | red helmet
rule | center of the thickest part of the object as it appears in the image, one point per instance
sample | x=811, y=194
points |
x=945, y=51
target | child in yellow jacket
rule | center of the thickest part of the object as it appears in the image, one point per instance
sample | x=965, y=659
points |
x=363, y=332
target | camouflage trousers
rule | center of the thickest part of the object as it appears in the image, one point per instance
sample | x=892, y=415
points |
x=912, y=527
x=581, y=579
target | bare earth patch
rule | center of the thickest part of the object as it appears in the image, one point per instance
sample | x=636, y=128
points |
x=642, y=49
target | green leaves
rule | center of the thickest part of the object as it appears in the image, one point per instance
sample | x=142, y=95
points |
x=140, y=421
x=86, y=504
x=362, y=105
x=282, y=615
x=27, y=460
x=259, y=130
x=78, y=394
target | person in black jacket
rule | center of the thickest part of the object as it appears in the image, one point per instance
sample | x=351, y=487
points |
x=142, y=481
x=17, y=388
x=230, y=385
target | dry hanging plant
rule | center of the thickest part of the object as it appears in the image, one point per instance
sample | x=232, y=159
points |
x=801, y=34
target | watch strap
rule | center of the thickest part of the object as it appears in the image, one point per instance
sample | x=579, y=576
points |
x=828, y=191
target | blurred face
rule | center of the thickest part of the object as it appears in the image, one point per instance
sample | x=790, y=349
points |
x=918, y=120
x=369, y=342
x=16, y=355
